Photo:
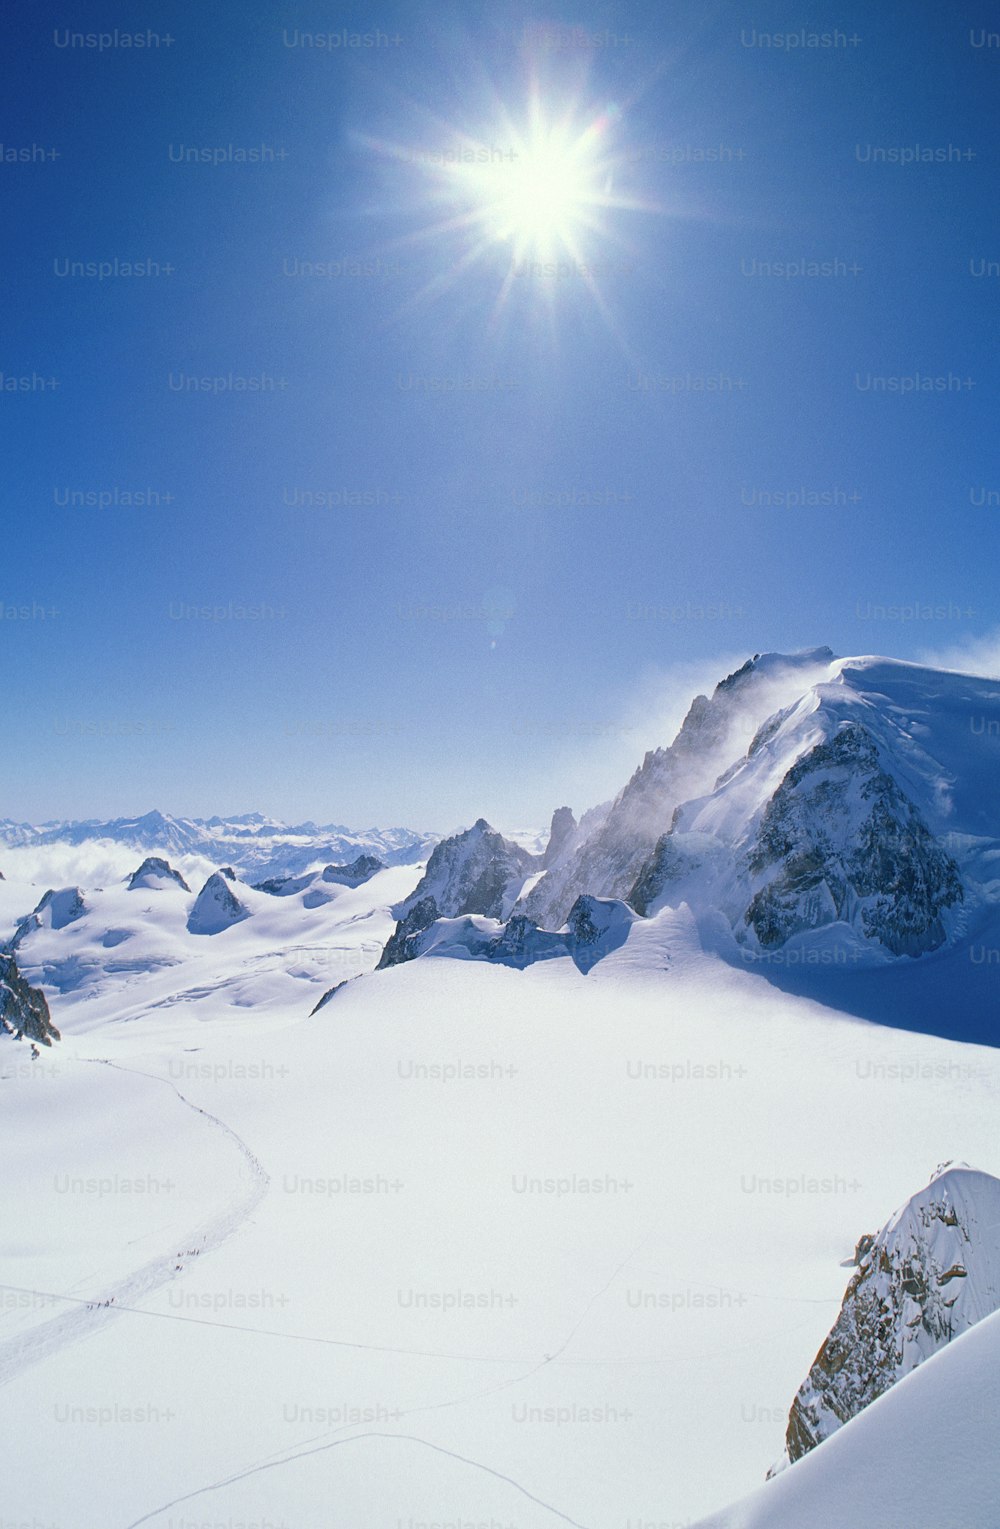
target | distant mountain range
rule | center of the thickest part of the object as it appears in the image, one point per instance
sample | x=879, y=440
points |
x=255, y=845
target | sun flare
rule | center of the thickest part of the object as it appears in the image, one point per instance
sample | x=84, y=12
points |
x=538, y=195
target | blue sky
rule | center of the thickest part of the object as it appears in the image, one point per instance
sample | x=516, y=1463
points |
x=534, y=528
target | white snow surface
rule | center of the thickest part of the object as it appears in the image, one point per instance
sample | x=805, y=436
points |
x=472, y=1244
x=923, y=1456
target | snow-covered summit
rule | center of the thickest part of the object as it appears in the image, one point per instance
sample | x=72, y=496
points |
x=217, y=906
x=851, y=800
x=868, y=803
x=156, y=875
x=54, y=910
x=604, y=858
x=477, y=871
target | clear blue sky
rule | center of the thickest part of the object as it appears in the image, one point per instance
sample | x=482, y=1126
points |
x=353, y=697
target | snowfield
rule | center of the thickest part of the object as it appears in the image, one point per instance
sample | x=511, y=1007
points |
x=471, y=1244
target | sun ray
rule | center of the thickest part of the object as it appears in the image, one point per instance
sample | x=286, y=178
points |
x=540, y=195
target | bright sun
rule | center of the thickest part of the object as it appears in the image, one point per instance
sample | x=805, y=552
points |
x=539, y=196
x=540, y=193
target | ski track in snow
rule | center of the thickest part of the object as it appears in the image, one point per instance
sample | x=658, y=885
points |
x=91, y=1315
x=411, y=1438
x=29, y=1348
x=313, y=1446
x=94, y=1313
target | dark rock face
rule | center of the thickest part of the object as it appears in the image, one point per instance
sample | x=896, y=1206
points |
x=669, y=861
x=402, y=943
x=596, y=926
x=516, y=944
x=654, y=876
x=840, y=840
x=282, y=886
x=24, y=1011
x=360, y=870
x=563, y=828
x=154, y=869
x=932, y=1272
x=327, y=996
x=478, y=871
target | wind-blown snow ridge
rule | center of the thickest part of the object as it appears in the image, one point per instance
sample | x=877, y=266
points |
x=862, y=807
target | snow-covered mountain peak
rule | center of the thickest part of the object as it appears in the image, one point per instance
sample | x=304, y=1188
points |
x=868, y=803
x=606, y=853
x=156, y=875
x=476, y=871
x=216, y=907
x=54, y=910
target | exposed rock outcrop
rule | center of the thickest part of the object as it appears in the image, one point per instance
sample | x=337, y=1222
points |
x=839, y=841
x=595, y=927
x=354, y=875
x=403, y=943
x=475, y=872
x=562, y=830
x=24, y=1010
x=931, y=1272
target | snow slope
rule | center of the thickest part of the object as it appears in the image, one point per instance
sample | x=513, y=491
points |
x=924, y=1454
x=510, y=1260
x=930, y=1274
x=127, y=950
